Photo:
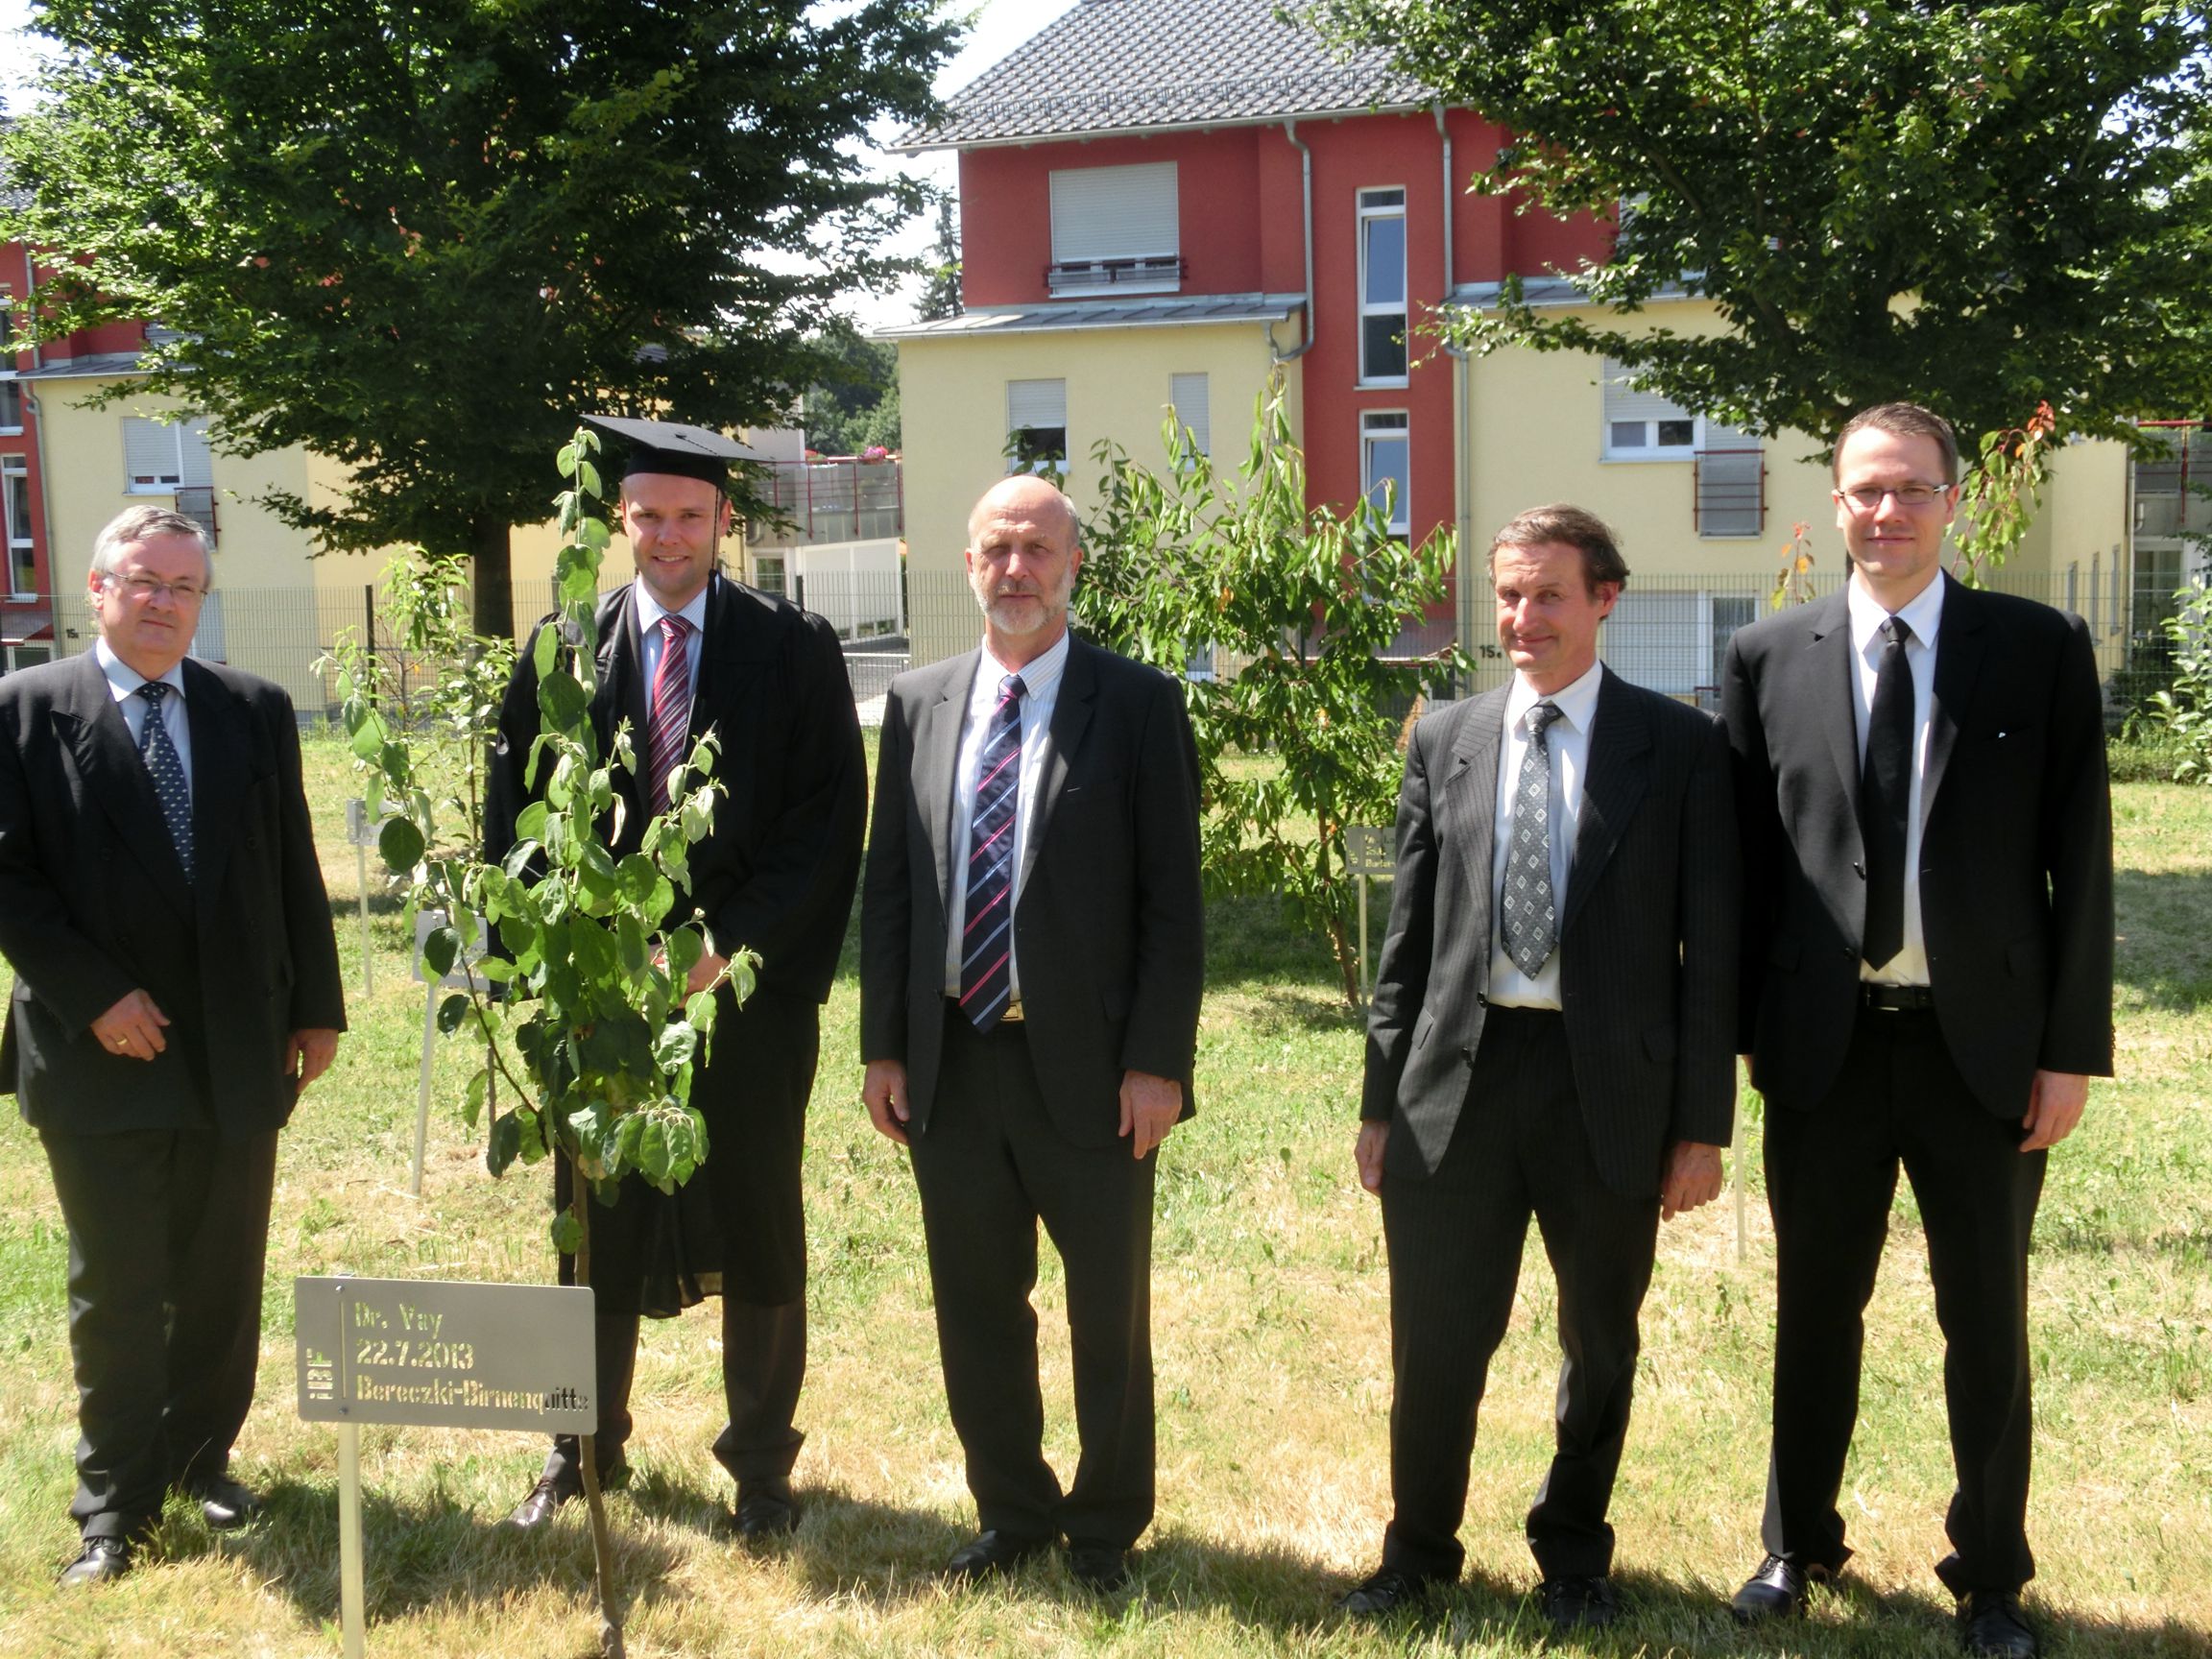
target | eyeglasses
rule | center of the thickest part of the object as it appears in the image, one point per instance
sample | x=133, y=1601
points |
x=1867, y=497
x=141, y=590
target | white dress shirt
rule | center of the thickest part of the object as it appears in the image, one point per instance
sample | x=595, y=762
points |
x=1567, y=740
x=122, y=683
x=1040, y=692
x=1910, y=966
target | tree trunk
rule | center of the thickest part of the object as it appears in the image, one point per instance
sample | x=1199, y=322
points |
x=588, y=1450
x=493, y=587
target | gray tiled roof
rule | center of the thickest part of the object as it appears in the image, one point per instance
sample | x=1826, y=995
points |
x=1063, y=316
x=1124, y=66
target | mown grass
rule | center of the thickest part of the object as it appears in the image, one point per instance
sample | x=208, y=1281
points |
x=1272, y=1343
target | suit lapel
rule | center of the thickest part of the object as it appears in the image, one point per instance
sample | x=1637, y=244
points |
x=89, y=720
x=936, y=753
x=1832, y=694
x=1468, y=798
x=1958, y=646
x=1070, y=719
x=221, y=770
x=1618, y=762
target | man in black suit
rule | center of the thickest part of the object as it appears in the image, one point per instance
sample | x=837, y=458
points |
x=1550, y=1036
x=176, y=986
x=1031, y=961
x=1927, y=981
x=683, y=651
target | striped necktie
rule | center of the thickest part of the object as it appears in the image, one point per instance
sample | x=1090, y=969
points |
x=987, y=948
x=167, y=773
x=671, y=712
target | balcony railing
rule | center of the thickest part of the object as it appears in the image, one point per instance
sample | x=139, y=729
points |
x=2170, y=496
x=1729, y=496
x=842, y=500
x=197, y=502
x=1147, y=274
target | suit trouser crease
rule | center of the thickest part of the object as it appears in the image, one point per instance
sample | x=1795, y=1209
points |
x=1456, y=1241
x=990, y=1165
x=1831, y=1173
x=165, y=1344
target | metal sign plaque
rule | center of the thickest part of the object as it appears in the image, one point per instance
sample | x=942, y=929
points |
x=361, y=830
x=439, y=1354
x=1368, y=851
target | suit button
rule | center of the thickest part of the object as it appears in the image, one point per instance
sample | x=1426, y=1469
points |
x=1848, y=952
x=1859, y=870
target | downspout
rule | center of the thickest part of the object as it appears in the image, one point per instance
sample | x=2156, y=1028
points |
x=1463, y=435
x=1276, y=354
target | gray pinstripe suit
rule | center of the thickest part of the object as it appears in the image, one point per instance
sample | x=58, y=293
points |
x=1500, y=1114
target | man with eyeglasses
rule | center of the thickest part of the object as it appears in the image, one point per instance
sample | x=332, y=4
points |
x=176, y=987
x=1927, y=982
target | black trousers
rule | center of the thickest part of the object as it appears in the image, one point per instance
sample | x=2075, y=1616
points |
x=1454, y=1240
x=989, y=1165
x=1831, y=1174
x=168, y=1231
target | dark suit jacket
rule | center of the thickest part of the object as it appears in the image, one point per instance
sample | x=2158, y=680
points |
x=1647, y=938
x=2015, y=855
x=1109, y=919
x=777, y=873
x=93, y=905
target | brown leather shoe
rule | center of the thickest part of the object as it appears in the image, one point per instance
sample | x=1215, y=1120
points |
x=98, y=1560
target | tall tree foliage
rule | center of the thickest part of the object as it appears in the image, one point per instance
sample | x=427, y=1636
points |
x=1982, y=208
x=856, y=403
x=419, y=238
x=941, y=285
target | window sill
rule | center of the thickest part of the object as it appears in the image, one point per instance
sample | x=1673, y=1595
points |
x=1397, y=385
x=1646, y=458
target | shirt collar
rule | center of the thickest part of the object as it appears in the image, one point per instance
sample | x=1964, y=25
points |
x=1577, y=703
x=1039, y=676
x=124, y=680
x=650, y=610
x=1923, y=615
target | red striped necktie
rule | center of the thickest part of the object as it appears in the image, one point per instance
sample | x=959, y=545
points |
x=987, y=941
x=671, y=712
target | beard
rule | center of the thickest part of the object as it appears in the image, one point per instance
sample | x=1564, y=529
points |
x=1017, y=612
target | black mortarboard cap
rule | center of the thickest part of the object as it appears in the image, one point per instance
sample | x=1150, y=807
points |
x=671, y=446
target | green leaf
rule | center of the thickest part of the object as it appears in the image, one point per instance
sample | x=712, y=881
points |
x=699, y=1010
x=505, y=1142
x=653, y=1157
x=399, y=844
x=451, y=1012
x=685, y=947
x=568, y=1231
x=562, y=700
x=439, y=947
x=473, y=1096
x=530, y=825
x=630, y=944
x=676, y=1046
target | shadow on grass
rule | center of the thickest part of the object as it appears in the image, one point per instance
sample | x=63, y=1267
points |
x=2163, y=921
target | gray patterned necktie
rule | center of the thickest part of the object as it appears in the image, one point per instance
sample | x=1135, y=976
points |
x=167, y=773
x=1528, y=918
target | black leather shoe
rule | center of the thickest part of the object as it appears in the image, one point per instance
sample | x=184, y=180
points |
x=1584, y=1603
x=1777, y=1591
x=1099, y=1568
x=766, y=1510
x=1990, y=1623
x=992, y=1552
x=98, y=1560
x=1383, y=1593
x=561, y=1483
x=224, y=1503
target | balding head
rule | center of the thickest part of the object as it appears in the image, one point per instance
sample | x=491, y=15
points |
x=1023, y=556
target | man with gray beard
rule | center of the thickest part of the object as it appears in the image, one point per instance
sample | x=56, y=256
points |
x=1031, y=960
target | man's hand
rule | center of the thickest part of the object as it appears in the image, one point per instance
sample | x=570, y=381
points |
x=1149, y=1108
x=1692, y=1178
x=704, y=973
x=132, y=1028
x=2055, y=1102
x=1367, y=1151
x=307, y=1055
x=884, y=1092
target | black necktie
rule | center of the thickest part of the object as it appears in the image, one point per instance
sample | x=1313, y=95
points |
x=1885, y=793
x=167, y=773
x=987, y=941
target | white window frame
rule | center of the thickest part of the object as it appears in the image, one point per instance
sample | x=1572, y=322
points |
x=1033, y=393
x=21, y=542
x=1623, y=404
x=1375, y=204
x=1191, y=398
x=8, y=379
x=1387, y=426
x=1104, y=221
x=189, y=448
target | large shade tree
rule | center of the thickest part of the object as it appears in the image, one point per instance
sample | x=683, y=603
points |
x=419, y=238
x=1979, y=206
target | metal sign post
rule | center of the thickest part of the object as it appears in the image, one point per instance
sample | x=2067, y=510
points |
x=1369, y=852
x=361, y=832
x=436, y=1353
x=428, y=922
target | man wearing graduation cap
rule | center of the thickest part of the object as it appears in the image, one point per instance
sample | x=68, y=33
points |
x=685, y=651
